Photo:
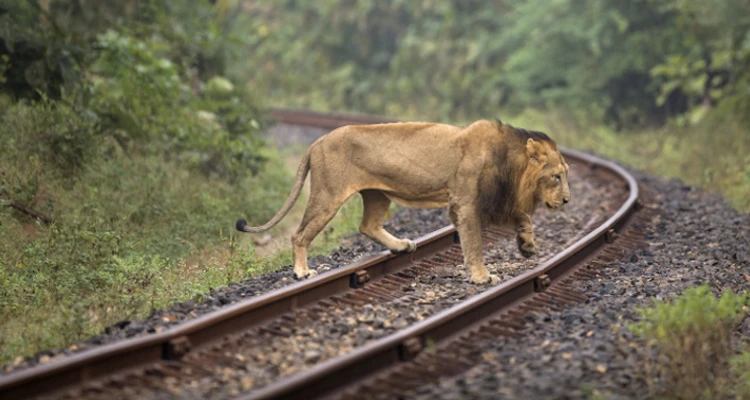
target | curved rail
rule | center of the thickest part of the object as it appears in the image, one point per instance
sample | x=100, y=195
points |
x=124, y=356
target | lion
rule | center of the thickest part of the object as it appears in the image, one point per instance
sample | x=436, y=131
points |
x=487, y=173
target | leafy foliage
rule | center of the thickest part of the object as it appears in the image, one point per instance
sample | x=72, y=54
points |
x=124, y=224
x=49, y=134
x=142, y=100
x=610, y=60
x=714, y=62
x=740, y=367
x=137, y=69
x=120, y=163
x=587, y=55
x=693, y=335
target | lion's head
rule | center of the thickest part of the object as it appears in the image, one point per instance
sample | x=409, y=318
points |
x=529, y=169
x=547, y=174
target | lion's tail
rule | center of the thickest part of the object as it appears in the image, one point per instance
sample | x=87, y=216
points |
x=304, y=168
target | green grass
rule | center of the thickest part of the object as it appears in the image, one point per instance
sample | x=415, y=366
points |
x=123, y=230
x=123, y=246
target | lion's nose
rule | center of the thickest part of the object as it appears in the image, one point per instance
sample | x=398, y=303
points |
x=565, y=201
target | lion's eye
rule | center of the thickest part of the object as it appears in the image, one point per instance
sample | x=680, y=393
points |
x=558, y=177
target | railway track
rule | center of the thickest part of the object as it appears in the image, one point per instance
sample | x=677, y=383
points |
x=403, y=354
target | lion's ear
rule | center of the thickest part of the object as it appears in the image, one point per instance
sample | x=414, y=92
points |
x=534, y=150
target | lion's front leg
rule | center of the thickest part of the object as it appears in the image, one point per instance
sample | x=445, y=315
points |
x=525, y=236
x=469, y=228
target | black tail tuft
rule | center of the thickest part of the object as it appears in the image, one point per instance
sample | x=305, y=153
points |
x=241, y=224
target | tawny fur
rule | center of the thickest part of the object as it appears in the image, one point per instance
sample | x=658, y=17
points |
x=484, y=173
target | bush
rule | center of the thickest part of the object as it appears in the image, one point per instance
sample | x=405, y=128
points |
x=136, y=69
x=740, y=367
x=51, y=133
x=120, y=184
x=146, y=107
x=129, y=233
x=693, y=337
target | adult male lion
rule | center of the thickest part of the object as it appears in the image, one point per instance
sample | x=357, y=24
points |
x=486, y=173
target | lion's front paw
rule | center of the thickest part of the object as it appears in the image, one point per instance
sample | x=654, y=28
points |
x=308, y=273
x=492, y=279
x=410, y=247
x=527, y=248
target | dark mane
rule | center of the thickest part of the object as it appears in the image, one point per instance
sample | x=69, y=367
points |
x=499, y=195
x=525, y=134
x=497, y=188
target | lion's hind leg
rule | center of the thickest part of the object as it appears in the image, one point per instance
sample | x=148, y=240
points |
x=375, y=209
x=321, y=208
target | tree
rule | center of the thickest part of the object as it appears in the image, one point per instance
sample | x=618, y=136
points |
x=714, y=65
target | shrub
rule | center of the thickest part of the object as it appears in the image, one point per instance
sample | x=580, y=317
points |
x=124, y=224
x=135, y=69
x=740, y=367
x=140, y=166
x=145, y=106
x=693, y=337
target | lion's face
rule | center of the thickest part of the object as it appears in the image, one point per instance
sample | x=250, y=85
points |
x=551, y=172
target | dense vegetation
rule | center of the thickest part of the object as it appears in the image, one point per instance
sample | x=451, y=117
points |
x=129, y=133
x=125, y=157
x=666, y=80
x=692, y=336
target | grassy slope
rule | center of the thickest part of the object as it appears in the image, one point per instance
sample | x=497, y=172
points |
x=132, y=233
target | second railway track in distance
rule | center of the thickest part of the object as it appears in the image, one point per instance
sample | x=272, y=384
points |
x=378, y=327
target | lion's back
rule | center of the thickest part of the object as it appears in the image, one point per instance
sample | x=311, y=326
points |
x=420, y=154
x=408, y=143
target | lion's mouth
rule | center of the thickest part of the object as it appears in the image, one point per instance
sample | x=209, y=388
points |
x=551, y=207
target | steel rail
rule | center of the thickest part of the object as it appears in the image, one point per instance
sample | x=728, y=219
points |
x=130, y=354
